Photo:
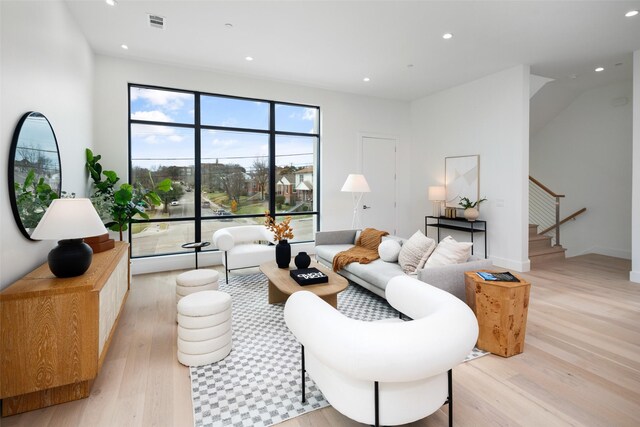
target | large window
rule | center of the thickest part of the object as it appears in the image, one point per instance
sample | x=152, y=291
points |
x=229, y=159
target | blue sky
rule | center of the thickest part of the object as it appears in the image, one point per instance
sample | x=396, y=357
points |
x=155, y=145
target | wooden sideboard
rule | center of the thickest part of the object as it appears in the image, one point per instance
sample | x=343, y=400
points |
x=55, y=333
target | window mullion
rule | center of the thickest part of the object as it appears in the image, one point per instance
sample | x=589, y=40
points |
x=197, y=195
x=272, y=158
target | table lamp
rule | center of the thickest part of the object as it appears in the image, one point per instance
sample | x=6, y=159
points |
x=437, y=196
x=357, y=185
x=69, y=220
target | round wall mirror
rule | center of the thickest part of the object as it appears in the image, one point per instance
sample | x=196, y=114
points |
x=34, y=170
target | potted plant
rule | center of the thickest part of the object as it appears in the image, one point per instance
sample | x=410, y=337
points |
x=281, y=233
x=470, y=211
x=120, y=205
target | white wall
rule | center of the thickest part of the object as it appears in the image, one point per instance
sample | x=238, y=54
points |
x=489, y=117
x=585, y=154
x=634, y=276
x=344, y=117
x=46, y=66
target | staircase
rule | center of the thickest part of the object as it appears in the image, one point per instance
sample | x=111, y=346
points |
x=544, y=210
x=540, y=248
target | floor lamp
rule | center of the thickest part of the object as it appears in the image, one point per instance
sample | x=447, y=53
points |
x=357, y=185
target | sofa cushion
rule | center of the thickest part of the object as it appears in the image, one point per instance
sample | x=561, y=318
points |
x=448, y=252
x=327, y=252
x=389, y=250
x=414, y=250
x=378, y=272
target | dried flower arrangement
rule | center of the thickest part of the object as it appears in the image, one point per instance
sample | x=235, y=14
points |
x=282, y=231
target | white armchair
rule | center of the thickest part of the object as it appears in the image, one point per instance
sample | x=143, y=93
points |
x=244, y=246
x=388, y=372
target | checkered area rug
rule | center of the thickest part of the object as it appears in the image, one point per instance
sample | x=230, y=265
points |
x=258, y=384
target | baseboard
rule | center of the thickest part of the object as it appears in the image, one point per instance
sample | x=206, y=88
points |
x=187, y=260
x=510, y=264
x=634, y=276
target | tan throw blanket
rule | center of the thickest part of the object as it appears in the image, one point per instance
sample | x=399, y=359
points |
x=365, y=250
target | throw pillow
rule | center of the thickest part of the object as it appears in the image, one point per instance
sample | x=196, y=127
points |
x=389, y=250
x=448, y=252
x=413, y=250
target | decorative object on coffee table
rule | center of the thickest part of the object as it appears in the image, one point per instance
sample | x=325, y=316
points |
x=283, y=254
x=302, y=260
x=501, y=309
x=281, y=233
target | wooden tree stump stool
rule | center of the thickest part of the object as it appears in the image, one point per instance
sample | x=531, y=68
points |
x=501, y=309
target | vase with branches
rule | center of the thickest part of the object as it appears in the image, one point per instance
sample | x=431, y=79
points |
x=282, y=232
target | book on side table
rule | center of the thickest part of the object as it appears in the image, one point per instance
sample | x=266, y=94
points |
x=497, y=277
x=308, y=276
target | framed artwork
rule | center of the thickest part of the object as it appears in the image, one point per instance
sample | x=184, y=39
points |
x=461, y=178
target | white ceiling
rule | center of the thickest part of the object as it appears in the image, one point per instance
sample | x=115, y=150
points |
x=335, y=44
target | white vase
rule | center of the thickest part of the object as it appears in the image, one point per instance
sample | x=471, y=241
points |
x=471, y=214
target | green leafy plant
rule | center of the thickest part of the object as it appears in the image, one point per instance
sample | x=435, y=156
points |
x=466, y=203
x=121, y=204
x=33, y=197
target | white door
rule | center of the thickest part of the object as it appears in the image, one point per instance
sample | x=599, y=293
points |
x=378, y=208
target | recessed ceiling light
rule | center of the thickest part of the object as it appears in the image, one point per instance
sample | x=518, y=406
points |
x=599, y=69
x=124, y=46
x=447, y=36
x=228, y=25
x=366, y=79
x=409, y=65
x=111, y=2
x=631, y=13
x=249, y=58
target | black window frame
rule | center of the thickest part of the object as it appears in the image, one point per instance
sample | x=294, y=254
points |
x=197, y=126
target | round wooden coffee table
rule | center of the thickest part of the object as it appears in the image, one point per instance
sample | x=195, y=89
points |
x=281, y=285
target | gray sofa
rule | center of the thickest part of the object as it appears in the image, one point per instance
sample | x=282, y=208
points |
x=375, y=275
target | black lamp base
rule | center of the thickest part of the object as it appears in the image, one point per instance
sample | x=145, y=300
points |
x=71, y=258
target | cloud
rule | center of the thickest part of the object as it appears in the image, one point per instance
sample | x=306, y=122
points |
x=309, y=114
x=156, y=116
x=160, y=97
x=153, y=134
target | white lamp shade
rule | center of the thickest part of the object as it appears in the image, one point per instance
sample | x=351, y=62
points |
x=436, y=193
x=356, y=183
x=69, y=219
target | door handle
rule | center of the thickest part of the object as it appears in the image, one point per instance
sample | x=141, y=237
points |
x=366, y=207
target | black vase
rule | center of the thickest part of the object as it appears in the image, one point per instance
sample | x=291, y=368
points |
x=302, y=260
x=283, y=254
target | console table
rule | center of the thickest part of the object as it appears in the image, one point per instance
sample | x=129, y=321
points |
x=55, y=333
x=459, y=224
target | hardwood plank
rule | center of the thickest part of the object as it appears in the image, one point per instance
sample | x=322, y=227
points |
x=579, y=366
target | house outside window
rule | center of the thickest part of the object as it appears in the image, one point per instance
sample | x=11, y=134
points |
x=229, y=159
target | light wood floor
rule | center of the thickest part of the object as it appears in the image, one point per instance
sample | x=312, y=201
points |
x=580, y=366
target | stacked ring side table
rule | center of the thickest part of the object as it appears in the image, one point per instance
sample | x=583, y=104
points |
x=204, y=328
x=193, y=281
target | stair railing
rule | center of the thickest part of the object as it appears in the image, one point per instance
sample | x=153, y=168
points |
x=544, y=209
